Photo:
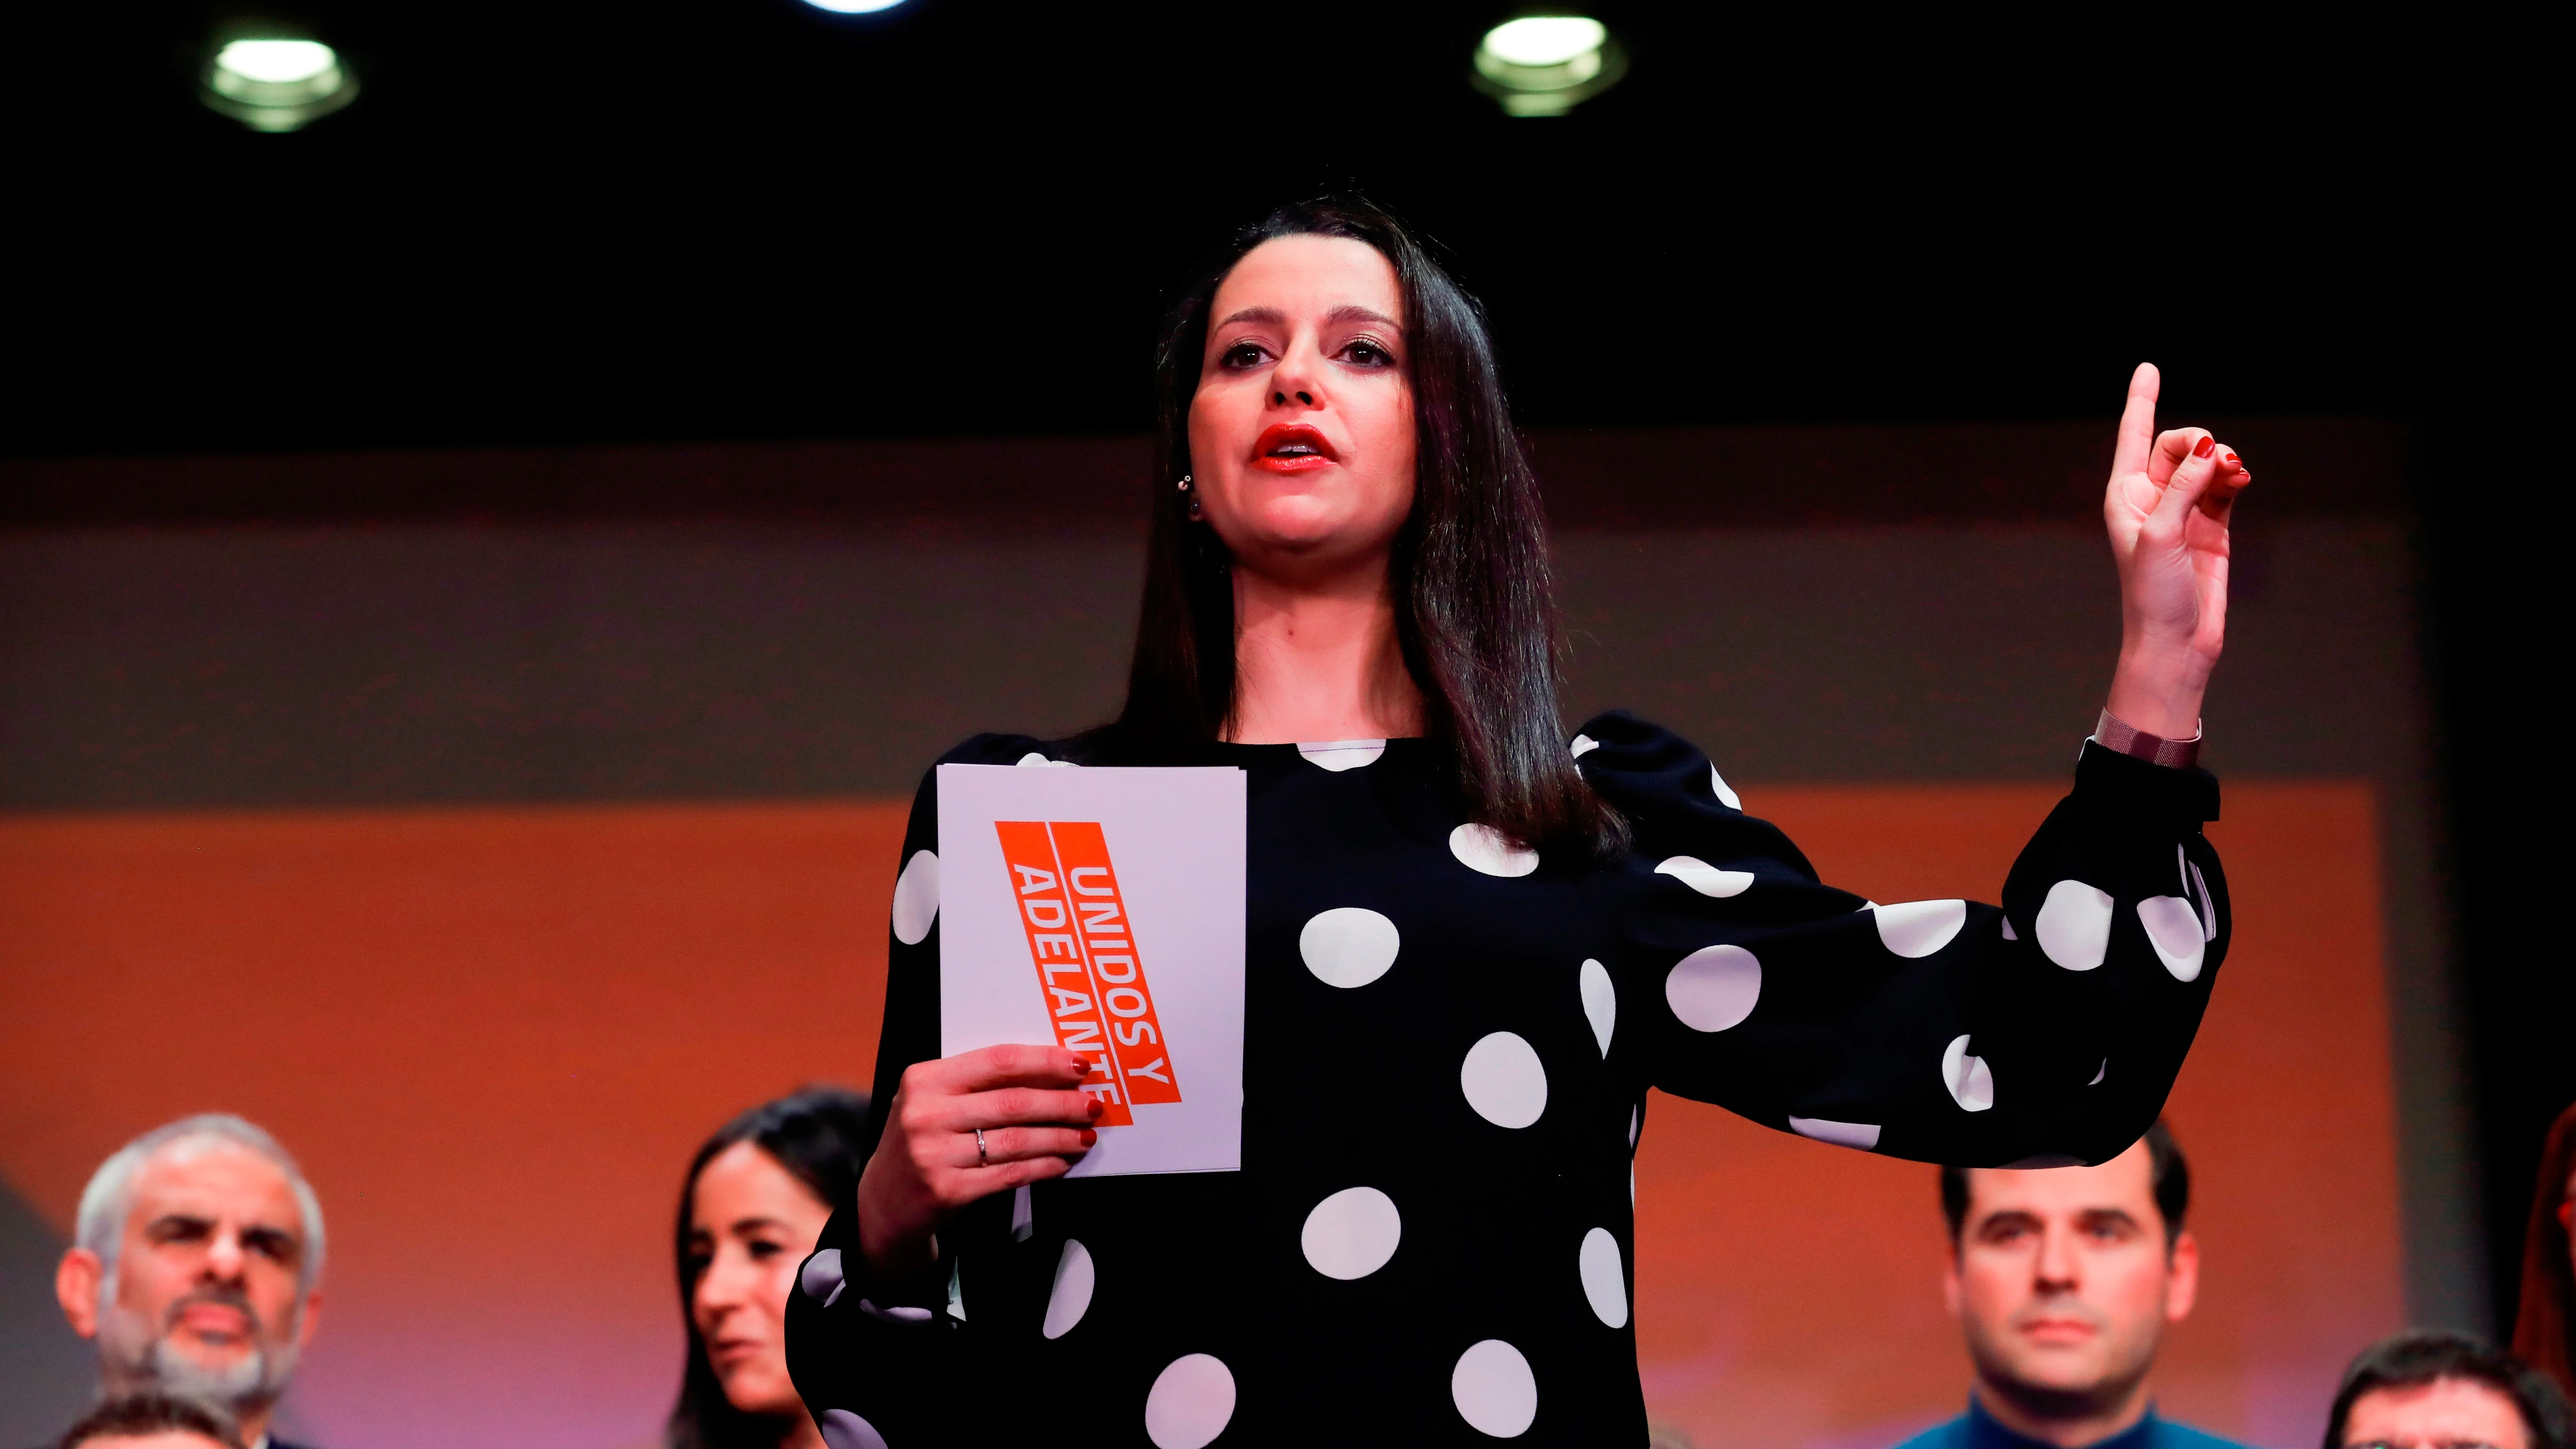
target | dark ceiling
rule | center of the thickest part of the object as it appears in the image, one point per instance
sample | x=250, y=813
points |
x=752, y=219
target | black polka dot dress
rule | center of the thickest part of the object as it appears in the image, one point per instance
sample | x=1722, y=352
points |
x=1448, y=1045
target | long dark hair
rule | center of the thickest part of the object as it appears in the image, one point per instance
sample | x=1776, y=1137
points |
x=818, y=1135
x=1474, y=613
x=2545, y=1319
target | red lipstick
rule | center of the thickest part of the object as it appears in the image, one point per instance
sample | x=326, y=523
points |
x=1292, y=448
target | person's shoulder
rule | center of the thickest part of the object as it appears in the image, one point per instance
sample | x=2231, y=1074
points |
x=1625, y=735
x=1949, y=1434
x=1005, y=749
x=1001, y=749
x=2174, y=1434
x=1646, y=769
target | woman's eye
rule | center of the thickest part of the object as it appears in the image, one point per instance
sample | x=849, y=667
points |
x=762, y=1251
x=1367, y=354
x=1242, y=355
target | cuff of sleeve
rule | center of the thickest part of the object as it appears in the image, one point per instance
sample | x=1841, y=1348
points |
x=2127, y=782
x=852, y=1282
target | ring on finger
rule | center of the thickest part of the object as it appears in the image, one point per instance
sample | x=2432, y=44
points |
x=982, y=1158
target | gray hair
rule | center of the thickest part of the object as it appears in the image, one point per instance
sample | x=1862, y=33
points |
x=109, y=1199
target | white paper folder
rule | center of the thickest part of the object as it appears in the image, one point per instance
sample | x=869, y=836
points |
x=1102, y=909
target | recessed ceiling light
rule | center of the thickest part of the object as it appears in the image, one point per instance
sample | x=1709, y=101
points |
x=274, y=82
x=1542, y=65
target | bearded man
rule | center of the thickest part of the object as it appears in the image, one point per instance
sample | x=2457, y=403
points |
x=197, y=1268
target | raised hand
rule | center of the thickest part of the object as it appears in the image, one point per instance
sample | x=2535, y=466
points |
x=2167, y=508
x=927, y=1166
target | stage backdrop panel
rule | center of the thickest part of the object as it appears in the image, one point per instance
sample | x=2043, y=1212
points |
x=1790, y=1295
x=495, y=1034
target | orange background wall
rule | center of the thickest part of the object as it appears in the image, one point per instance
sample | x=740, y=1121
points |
x=494, y=1036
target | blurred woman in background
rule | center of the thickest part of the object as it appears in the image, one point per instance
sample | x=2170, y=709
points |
x=756, y=1197
x=2541, y=1326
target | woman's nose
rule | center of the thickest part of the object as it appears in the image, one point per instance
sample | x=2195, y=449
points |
x=719, y=1291
x=1293, y=383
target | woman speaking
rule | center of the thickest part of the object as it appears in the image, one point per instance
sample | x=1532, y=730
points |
x=1473, y=942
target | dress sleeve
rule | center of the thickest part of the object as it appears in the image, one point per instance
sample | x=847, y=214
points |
x=871, y=1358
x=2043, y=1032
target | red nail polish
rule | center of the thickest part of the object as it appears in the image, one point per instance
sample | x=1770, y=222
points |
x=1089, y=1137
x=2230, y=460
x=2201, y=448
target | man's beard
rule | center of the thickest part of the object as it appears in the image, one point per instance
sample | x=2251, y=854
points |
x=144, y=1356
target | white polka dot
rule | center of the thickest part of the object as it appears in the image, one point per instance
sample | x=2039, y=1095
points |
x=2175, y=933
x=1915, y=929
x=1636, y=1119
x=1970, y=1080
x=1070, y=1298
x=900, y=1313
x=957, y=1291
x=1714, y=987
x=1190, y=1403
x=1717, y=784
x=1035, y=760
x=821, y=1276
x=2074, y=925
x=2208, y=911
x=1340, y=755
x=2009, y=933
x=1863, y=1135
x=1494, y=1389
x=1352, y=1233
x=1600, y=1002
x=916, y=898
x=1024, y=1218
x=1482, y=847
x=2100, y=1072
x=1584, y=745
x=1605, y=1287
x=1348, y=945
x=845, y=1430
x=1504, y=1081
x=1705, y=878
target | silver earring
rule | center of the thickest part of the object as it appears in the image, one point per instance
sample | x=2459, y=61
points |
x=1195, y=515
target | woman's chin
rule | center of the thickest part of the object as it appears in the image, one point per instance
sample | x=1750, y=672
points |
x=765, y=1393
x=1307, y=530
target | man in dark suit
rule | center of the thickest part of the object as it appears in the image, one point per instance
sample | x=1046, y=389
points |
x=197, y=1268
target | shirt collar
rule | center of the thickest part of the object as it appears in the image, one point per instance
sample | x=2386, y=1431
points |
x=1985, y=1431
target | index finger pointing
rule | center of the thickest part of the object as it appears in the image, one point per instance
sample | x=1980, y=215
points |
x=2137, y=421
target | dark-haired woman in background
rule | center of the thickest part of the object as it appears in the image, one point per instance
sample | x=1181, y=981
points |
x=2545, y=1321
x=756, y=1196
x=1473, y=942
